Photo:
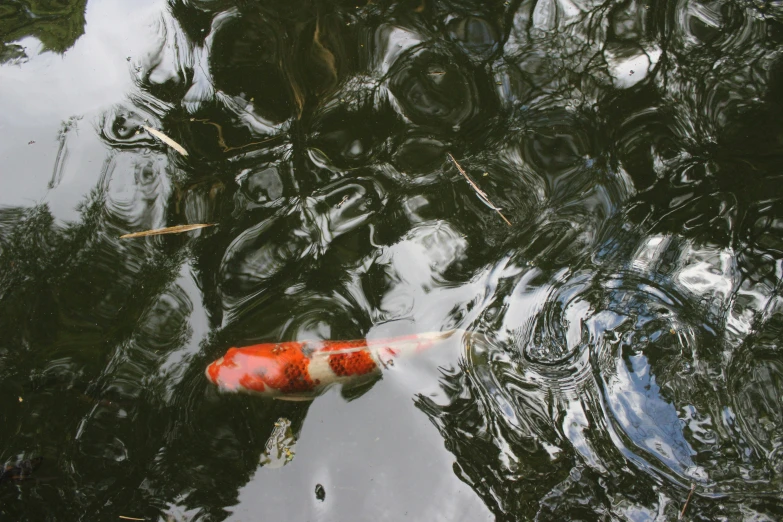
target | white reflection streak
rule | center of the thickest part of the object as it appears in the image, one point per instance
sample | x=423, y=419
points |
x=649, y=421
x=647, y=256
x=711, y=272
x=202, y=88
x=175, y=365
x=392, y=42
x=527, y=301
x=575, y=425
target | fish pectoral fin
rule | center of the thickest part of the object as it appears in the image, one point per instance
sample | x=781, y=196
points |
x=353, y=392
x=294, y=398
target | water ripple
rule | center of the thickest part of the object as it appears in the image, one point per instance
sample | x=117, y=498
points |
x=616, y=344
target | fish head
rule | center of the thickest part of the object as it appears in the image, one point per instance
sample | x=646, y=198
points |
x=241, y=370
x=268, y=369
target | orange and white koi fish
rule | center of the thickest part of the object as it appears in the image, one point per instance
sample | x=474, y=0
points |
x=303, y=369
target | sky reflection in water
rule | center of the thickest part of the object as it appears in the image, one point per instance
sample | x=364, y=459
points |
x=623, y=332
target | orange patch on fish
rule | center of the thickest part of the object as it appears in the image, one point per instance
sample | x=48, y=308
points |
x=347, y=364
x=293, y=375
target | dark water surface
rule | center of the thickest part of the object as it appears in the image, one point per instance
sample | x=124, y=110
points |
x=624, y=333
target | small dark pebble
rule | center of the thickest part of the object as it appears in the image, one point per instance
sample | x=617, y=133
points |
x=320, y=492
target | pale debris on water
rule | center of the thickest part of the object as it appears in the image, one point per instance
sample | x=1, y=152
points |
x=165, y=139
x=168, y=230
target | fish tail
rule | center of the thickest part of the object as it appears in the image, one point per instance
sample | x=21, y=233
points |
x=445, y=334
x=416, y=343
x=429, y=339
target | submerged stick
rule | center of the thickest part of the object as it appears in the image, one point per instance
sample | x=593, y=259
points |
x=168, y=230
x=222, y=141
x=165, y=139
x=481, y=194
x=682, y=513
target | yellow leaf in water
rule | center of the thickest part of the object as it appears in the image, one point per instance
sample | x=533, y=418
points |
x=165, y=139
x=168, y=230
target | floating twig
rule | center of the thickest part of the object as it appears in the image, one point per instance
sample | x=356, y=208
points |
x=682, y=513
x=168, y=230
x=481, y=194
x=165, y=139
x=222, y=141
x=131, y=518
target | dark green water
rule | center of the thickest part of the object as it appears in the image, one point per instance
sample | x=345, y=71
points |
x=625, y=331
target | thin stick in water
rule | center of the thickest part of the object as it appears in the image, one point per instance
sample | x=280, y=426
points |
x=165, y=139
x=682, y=513
x=168, y=230
x=481, y=194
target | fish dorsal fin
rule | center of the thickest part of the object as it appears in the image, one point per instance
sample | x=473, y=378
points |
x=393, y=343
x=341, y=351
